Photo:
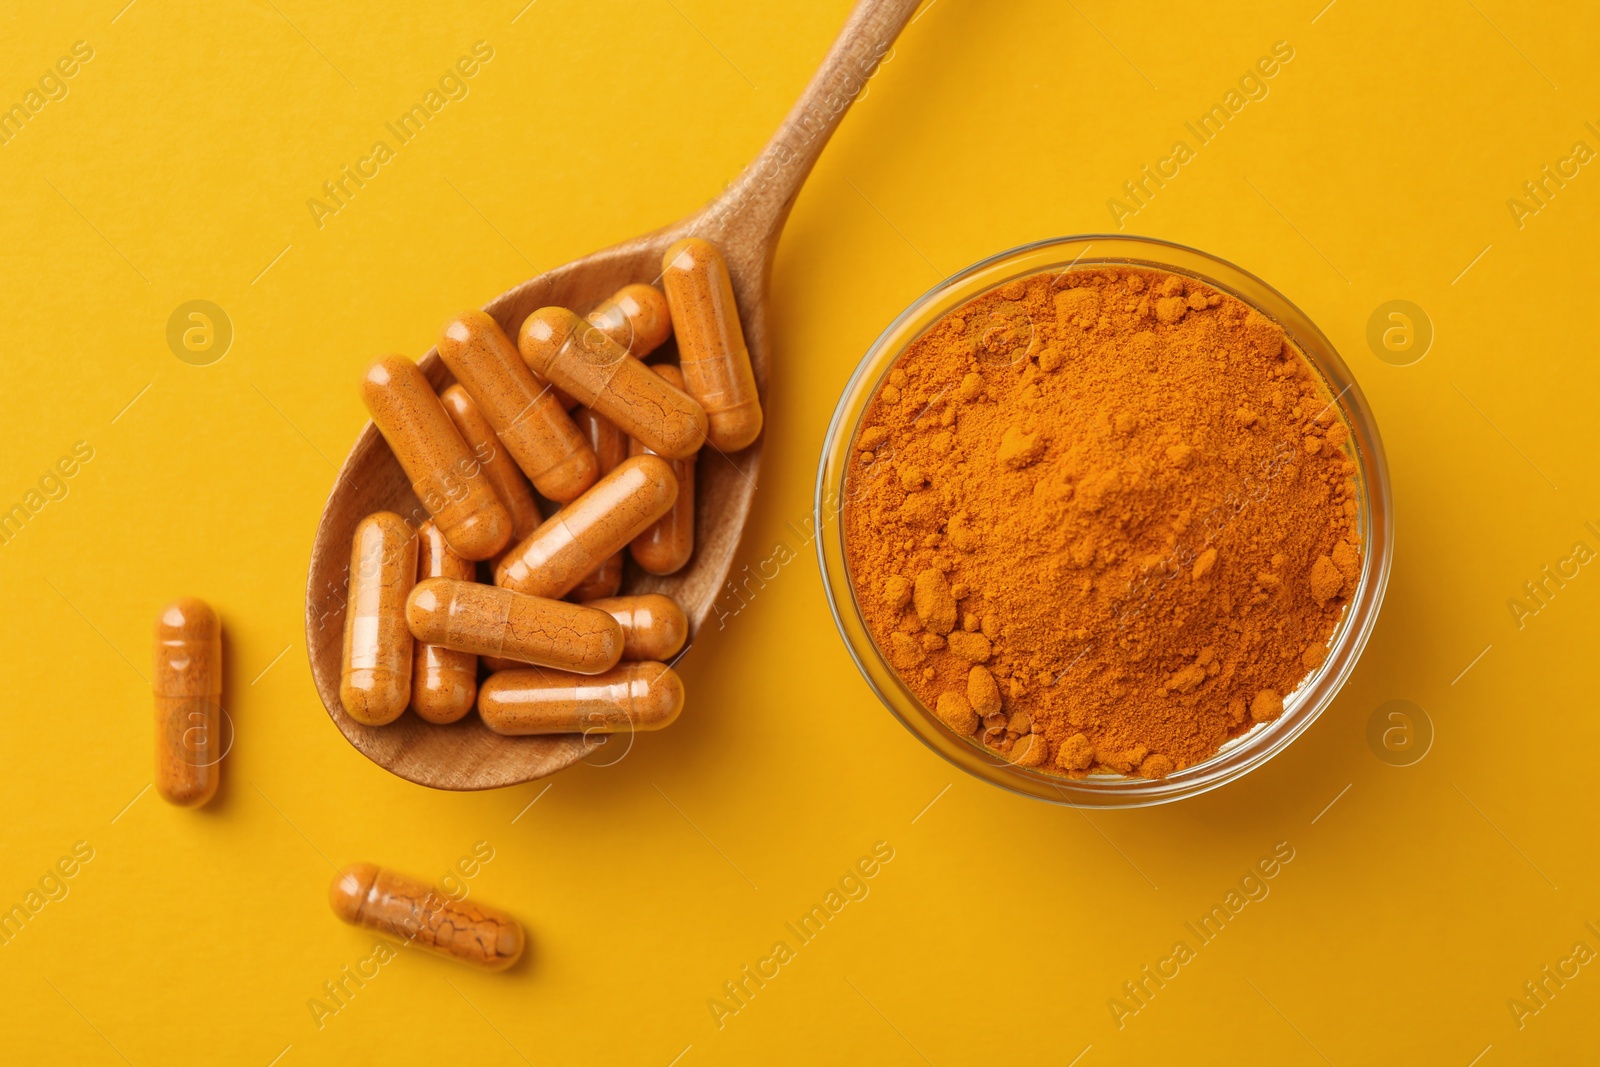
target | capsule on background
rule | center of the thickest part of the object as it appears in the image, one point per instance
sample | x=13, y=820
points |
x=442, y=470
x=519, y=405
x=375, y=683
x=579, y=537
x=711, y=348
x=444, y=681
x=633, y=696
x=507, y=479
x=415, y=912
x=653, y=625
x=665, y=547
x=600, y=374
x=636, y=317
x=489, y=621
x=610, y=448
x=187, y=685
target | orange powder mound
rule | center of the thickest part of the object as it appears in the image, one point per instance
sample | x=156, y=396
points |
x=1103, y=520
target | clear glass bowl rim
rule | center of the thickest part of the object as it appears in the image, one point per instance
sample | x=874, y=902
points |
x=1241, y=754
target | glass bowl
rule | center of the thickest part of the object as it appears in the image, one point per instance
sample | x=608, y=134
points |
x=1240, y=754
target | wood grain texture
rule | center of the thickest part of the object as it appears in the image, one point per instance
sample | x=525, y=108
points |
x=744, y=222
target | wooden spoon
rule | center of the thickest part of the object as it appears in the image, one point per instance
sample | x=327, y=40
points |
x=744, y=222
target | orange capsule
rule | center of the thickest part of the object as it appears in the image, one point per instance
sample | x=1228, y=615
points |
x=610, y=448
x=599, y=372
x=489, y=621
x=653, y=625
x=666, y=546
x=414, y=912
x=375, y=683
x=444, y=681
x=636, y=317
x=524, y=413
x=579, y=537
x=633, y=696
x=509, y=483
x=443, y=472
x=711, y=349
x=187, y=685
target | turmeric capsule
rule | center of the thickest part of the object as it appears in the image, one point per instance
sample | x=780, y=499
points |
x=666, y=546
x=579, y=537
x=634, y=696
x=417, y=913
x=509, y=483
x=444, y=681
x=711, y=349
x=443, y=472
x=187, y=685
x=489, y=621
x=653, y=626
x=375, y=683
x=600, y=374
x=636, y=317
x=610, y=448
x=525, y=414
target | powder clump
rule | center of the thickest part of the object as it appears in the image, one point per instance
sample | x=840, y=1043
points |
x=1145, y=499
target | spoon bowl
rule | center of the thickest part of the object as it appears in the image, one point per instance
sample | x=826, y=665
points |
x=744, y=223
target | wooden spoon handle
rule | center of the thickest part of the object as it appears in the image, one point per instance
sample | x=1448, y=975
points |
x=756, y=205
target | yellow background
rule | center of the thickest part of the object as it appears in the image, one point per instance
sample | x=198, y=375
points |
x=1378, y=168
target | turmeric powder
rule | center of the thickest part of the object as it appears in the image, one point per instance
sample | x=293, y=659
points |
x=1104, y=520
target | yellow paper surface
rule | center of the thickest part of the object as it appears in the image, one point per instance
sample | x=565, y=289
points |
x=176, y=164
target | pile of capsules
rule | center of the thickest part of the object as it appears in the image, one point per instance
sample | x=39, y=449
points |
x=620, y=466
x=572, y=408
